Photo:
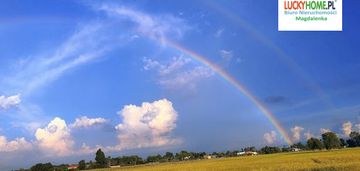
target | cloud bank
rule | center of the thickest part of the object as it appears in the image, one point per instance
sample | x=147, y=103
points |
x=19, y=144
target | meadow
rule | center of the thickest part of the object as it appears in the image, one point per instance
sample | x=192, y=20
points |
x=334, y=160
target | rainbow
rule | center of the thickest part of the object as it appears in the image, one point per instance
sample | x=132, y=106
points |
x=280, y=54
x=225, y=75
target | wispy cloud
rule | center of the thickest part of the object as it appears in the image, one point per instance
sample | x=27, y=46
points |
x=309, y=135
x=226, y=55
x=277, y=100
x=358, y=127
x=180, y=72
x=40, y=70
x=87, y=44
x=162, y=28
x=219, y=32
x=159, y=27
x=85, y=122
x=324, y=130
x=176, y=64
x=10, y=101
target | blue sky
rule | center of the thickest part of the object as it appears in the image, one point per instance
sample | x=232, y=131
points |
x=79, y=75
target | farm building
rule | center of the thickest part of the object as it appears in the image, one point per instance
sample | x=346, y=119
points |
x=72, y=167
x=247, y=153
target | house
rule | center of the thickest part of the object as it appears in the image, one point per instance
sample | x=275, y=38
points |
x=247, y=153
x=116, y=166
x=187, y=157
x=72, y=167
x=241, y=153
x=207, y=157
x=295, y=149
x=251, y=153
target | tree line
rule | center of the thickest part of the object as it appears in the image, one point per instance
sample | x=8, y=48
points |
x=328, y=141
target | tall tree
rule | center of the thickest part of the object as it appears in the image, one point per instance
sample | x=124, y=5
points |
x=314, y=144
x=82, y=165
x=330, y=140
x=100, y=159
x=354, y=140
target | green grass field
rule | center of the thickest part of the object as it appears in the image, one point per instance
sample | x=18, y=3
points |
x=345, y=159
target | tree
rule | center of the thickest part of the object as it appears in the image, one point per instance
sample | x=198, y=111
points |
x=183, y=155
x=100, y=159
x=82, y=165
x=354, y=140
x=270, y=150
x=330, y=140
x=153, y=159
x=253, y=149
x=356, y=137
x=42, y=167
x=91, y=165
x=285, y=149
x=168, y=156
x=298, y=145
x=314, y=144
x=343, y=143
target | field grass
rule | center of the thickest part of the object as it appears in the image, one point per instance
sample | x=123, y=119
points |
x=334, y=160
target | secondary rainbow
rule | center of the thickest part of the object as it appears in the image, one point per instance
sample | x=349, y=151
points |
x=236, y=84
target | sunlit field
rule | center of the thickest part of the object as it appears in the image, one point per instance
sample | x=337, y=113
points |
x=345, y=159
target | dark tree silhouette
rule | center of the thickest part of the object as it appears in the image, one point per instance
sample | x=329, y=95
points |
x=330, y=140
x=100, y=159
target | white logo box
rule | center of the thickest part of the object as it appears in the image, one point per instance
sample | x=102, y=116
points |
x=310, y=15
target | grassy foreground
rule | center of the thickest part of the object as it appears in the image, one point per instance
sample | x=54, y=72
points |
x=345, y=159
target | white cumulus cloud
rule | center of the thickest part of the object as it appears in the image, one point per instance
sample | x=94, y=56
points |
x=55, y=138
x=270, y=137
x=347, y=127
x=10, y=101
x=297, y=133
x=85, y=122
x=148, y=125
